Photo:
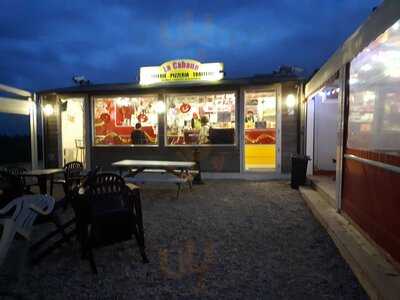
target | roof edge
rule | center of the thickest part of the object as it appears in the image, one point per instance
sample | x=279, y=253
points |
x=377, y=22
x=109, y=87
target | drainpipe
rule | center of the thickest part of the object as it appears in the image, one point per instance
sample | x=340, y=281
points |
x=299, y=100
x=33, y=131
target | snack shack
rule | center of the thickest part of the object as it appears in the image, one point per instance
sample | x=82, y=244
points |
x=180, y=110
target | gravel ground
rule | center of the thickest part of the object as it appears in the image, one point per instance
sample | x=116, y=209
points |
x=223, y=240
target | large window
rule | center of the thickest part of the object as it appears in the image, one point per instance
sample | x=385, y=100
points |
x=129, y=120
x=15, y=139
x=201, y=119
x=374, y=119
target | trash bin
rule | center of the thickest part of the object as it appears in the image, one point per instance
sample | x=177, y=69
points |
x=299, y=170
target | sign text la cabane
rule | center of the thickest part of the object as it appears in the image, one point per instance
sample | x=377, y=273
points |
x=181, y=70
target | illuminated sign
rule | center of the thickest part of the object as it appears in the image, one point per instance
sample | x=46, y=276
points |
x=182, y=70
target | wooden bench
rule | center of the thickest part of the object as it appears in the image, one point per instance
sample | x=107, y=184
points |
x=164, y=171
x=160, y=176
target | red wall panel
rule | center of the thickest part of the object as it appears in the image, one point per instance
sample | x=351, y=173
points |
x=371, y=197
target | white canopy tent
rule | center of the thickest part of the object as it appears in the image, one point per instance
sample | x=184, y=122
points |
x=380, y=20
x=25, y=105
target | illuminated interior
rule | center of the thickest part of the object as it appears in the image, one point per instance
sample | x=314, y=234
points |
x=374, y=110
x=200, y=119
x=72, y=125
x=116, y=119
x=260, y=130
x=322, y=112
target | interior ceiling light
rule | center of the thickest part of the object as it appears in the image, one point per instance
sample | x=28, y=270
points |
x=159, y=107
x=369, y=95
x=366, y=68
x=396, y=26
x=353, y=80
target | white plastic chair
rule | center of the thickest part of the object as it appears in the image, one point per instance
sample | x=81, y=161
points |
x=25, y=210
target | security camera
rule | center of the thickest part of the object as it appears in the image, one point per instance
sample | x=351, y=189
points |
x=80, y=80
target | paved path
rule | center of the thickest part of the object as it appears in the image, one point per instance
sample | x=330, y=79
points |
x=376, y=273
x=224, y=240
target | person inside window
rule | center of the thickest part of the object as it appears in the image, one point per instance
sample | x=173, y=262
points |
x=204, y=130
x=195, y=122
x=250, y=120
x=139, y=136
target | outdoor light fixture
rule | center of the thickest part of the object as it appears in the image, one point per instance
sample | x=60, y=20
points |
x=48, y=110
x=290, y=103
x=159, y=107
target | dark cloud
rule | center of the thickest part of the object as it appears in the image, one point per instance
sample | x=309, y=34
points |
x=43, y=43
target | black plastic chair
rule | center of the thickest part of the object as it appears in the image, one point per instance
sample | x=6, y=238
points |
x=11, y=187
x=71, y=170
x=72, y=175
x=113, y=212
x=67, y=230
x=19, y=171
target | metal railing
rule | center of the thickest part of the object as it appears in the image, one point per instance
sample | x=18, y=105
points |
x=374, y=163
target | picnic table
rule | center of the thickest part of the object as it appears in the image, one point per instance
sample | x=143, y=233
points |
x=141, y=165
x=43, y=175
x=143, y=171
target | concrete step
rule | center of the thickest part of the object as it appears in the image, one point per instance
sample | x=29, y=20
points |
x=377, y=275
x=326, y=187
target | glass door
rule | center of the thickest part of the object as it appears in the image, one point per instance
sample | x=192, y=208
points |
x=72, y=130
x=260, y=130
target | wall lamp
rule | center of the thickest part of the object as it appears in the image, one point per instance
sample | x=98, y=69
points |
x=291, y=102
x=48, y=110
